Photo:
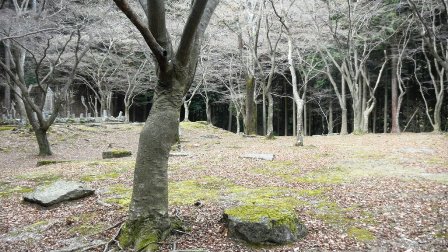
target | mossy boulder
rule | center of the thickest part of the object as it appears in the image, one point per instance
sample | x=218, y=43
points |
x=261, y=224
x=116, y=154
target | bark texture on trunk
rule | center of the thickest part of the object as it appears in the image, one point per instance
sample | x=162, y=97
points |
x=42, y=141
x=270, y=121
x=299, y=136
x=186, y=112
x=251, y=110
x=394, y=93
x=208, y=110
x=330, y=117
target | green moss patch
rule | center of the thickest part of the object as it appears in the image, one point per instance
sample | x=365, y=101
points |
x=283, y=169
x=97, y=177
x=120, y=195
x=40, y=178
x=86, y=225
x=280, y=197
x=5, y=128
x=194, y=125
x=203, y=189
x=443, y=235
x=360, y=234
x=7, y=190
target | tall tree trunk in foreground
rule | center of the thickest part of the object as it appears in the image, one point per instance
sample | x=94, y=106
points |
x=148, y=220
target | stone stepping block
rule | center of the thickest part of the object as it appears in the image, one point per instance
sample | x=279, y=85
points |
x=116, y=154
x=268, y=157
x=58, y=192
x=263, y=224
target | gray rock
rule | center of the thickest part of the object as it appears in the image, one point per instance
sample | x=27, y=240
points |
x=58, y=192
x=265, y=229
x=268, y=157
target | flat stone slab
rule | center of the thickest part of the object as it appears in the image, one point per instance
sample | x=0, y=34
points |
x=268, y=157
x=58, y=192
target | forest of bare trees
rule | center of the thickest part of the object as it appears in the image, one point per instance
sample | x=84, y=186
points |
x=262, y=67
x=271, y=68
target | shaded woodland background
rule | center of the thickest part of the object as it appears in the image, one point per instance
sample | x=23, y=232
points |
x=374, y=66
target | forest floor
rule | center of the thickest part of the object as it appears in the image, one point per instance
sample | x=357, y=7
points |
x=374, y=192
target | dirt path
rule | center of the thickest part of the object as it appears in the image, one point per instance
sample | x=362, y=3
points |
x=372, y=192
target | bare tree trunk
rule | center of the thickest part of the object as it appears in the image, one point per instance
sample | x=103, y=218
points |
x=385, y=109
x=294, y=119
x=310, y=121
x=148, y=212
x=19, y=60
x=299, y=136
x=42, y=141
x=286, y=116
x=374, y=120
x=394, y=88
x=264, y=109
x=270, y=126
x=305, y=120
x=208, y=110
x=126, y=113
x=343, y=104
x=186, y=112
x=7, y=94
x=238, y=126
x=229, y=125
x=364, y=105
x=330, y=117
x=251, y=110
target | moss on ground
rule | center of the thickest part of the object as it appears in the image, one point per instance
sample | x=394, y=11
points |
x=40, y=178
x=7, y=190
x=120, y=194
x=5, y=128
x=360, y=234
x=193, y=125
x=284, y=169
x=86, y=225
x=443, y=235
x=204, y=189
x=118, y=166
x=103, y=176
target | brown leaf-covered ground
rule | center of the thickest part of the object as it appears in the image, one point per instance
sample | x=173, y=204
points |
x=375, y=192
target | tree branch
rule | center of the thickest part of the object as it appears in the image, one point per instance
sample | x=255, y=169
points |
x=159, y=52
x=190, y=31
